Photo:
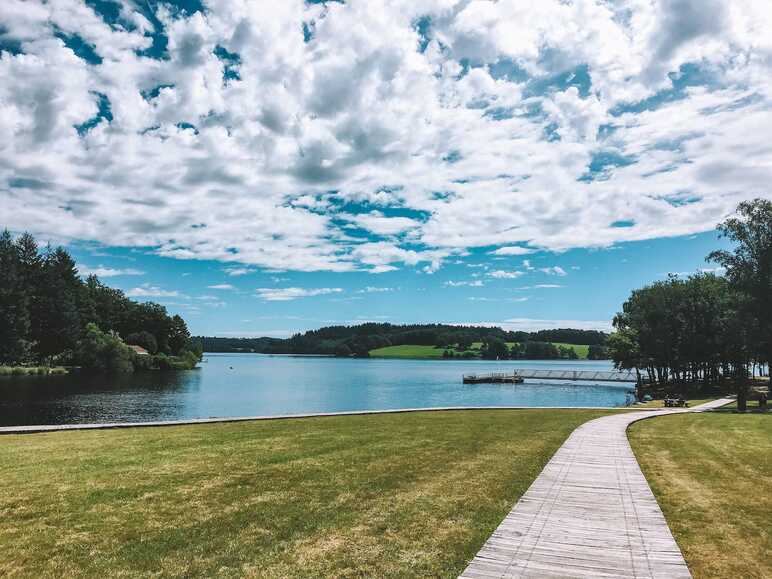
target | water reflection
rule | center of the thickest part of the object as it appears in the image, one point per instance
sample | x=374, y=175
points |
x=249, y=384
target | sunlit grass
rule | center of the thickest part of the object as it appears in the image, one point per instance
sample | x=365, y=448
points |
x=712, y=475
x=389, y=495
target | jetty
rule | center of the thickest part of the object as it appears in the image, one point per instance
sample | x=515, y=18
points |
x=521, y=374
x=495, y=378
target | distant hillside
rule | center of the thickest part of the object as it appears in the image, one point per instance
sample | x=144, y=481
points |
x=359, y=340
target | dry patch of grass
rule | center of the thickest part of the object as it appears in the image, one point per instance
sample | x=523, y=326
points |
x=711, y=474
x=388, y=495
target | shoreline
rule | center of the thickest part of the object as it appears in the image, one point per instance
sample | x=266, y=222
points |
x=42, y=428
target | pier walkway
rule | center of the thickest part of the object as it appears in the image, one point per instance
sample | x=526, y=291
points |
x=519, y=374
x=590, y=513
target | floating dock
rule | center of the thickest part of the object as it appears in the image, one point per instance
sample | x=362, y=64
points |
x=495, y=378
x=521, y=374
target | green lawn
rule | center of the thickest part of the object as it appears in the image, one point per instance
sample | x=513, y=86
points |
x=661, y=403
x=415, y=351
x=712, y=475
x=407, y=351
x=388, y=495
x=580, y=349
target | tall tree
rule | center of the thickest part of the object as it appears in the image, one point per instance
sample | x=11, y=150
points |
x=60, y=325
x=14, y=315
x=749, y=265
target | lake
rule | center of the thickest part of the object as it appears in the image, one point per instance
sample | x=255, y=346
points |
x=230, y=385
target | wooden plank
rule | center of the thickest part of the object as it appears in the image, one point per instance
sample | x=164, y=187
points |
x=590, y=513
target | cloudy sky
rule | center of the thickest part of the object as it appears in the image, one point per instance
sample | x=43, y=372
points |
x=265, y=167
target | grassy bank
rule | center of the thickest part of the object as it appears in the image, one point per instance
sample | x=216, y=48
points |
x=384, y=495
x=711, y=474
x=31, y=370
x=432, y=352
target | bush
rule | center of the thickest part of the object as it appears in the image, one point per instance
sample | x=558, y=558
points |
x=104, y=352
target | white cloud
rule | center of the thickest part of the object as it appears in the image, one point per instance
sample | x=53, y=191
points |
x=501, y=274
x=373, y=289
x=237, y=271
x=357, y=127
x=293, y=293
x=512, y=250
x=539, y=286
x=532, y=324
x=102, y=271
x=151, y=291
x=473, y=283
x=221, y=286
x=554, y=270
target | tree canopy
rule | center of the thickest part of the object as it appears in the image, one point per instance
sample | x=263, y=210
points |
x=48, y=313
x=705, y=329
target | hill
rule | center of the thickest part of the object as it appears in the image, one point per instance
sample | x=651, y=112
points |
x=420, y=340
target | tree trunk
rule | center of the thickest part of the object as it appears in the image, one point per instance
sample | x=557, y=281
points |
x=742, y=399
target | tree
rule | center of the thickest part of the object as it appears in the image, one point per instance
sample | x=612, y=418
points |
x=14, y=315
x=144, y=339
x=342, y=351
x=179, y=336
x=596, y=352
x=59, y=320
x=495, y=349
x=749, y=264
x=103, y=351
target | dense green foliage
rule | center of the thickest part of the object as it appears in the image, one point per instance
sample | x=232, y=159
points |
x=48, y=315
x=705, y=329
x=359, y=340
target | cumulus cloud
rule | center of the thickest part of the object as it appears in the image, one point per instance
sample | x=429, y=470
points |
x=512, y=250
x=293, y=293
x=532, y=324
x=363, y=143
x=554, y=270
x=151, y=291
x=102, y=271
x=472, y=283
x=502, y=274
x=221, y=286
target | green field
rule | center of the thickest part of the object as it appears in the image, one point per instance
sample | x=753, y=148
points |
x=402, y=494
x=580, y=349
x=416, y=351
x=712, y=475
x=407, y=351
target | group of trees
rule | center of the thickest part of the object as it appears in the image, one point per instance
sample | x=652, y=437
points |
x=48, y=314
x=360, y=339
x=706, y=329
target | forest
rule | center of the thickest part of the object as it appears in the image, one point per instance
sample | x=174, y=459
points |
x=50, y=316
x=359, y=340
x=706, y=330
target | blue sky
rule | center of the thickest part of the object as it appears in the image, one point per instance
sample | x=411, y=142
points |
x=586, y=290
x=459, y=158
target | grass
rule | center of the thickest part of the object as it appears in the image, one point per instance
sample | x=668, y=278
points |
x=31, y=370
x=661, y=403
x=407, y=351
x=580, y=349
x=712, y=475
x=416, y=351
x=388, y=495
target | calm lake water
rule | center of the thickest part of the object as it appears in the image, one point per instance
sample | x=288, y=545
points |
x=228, y=385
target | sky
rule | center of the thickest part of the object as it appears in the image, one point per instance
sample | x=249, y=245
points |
x=264, y=168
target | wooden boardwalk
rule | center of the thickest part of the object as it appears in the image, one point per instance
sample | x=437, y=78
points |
x=590, y=513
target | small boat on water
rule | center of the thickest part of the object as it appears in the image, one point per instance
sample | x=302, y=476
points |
x=495, y=378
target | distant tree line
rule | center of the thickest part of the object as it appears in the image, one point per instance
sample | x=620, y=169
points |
x=706, y=330
x=360, y=339
x=49, y=315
